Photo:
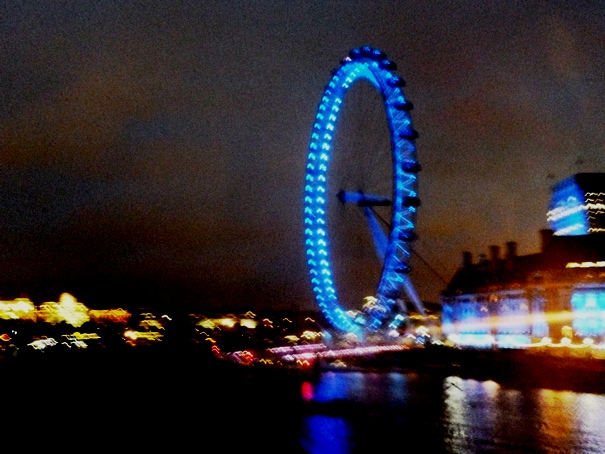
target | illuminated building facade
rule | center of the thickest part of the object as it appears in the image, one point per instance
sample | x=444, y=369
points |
x=577, y=206
x=559, y=293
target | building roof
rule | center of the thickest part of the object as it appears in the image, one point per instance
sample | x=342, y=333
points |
x=564, y=259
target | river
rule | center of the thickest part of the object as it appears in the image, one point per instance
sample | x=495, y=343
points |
x=178, y=404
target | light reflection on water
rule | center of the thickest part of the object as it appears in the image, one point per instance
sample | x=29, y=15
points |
x=370, y=412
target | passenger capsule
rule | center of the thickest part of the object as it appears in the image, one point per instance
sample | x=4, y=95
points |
x=411, y=202
x=355, y=53
x=404, y=106
x=407, y=235
x=377, y=54
x=387, y=64
x=367, y=51
x=396, y=81
x=411, y=166
x=412, y=135
x=404, y=269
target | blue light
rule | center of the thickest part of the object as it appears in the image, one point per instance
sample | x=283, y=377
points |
x=378, y=73
x=567, y=213
x=588, y=307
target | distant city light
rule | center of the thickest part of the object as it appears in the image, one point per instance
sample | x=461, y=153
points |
x=585, y=265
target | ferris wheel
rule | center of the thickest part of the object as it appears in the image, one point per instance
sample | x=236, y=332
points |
x=392, y=238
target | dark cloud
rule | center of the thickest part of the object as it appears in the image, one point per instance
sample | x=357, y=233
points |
x=158, y=148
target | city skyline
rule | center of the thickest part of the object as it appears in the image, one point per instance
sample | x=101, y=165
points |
x=159, y=151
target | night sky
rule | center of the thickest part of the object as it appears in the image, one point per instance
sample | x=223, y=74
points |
x=155, y=151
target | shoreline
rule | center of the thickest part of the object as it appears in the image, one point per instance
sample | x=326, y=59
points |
x=511, y=368
x=522, y=368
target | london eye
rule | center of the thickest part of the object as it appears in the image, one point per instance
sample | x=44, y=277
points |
x=388, y=209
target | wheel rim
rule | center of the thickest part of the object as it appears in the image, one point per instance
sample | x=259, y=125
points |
x=372, y=65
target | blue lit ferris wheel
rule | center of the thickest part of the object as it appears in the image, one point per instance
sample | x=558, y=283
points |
x=393, y=243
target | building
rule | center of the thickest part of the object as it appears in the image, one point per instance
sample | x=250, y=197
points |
x=578, y=205
x=506, y=299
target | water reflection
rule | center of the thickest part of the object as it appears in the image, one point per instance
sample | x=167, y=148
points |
x=326, y=435
x=362, y=412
